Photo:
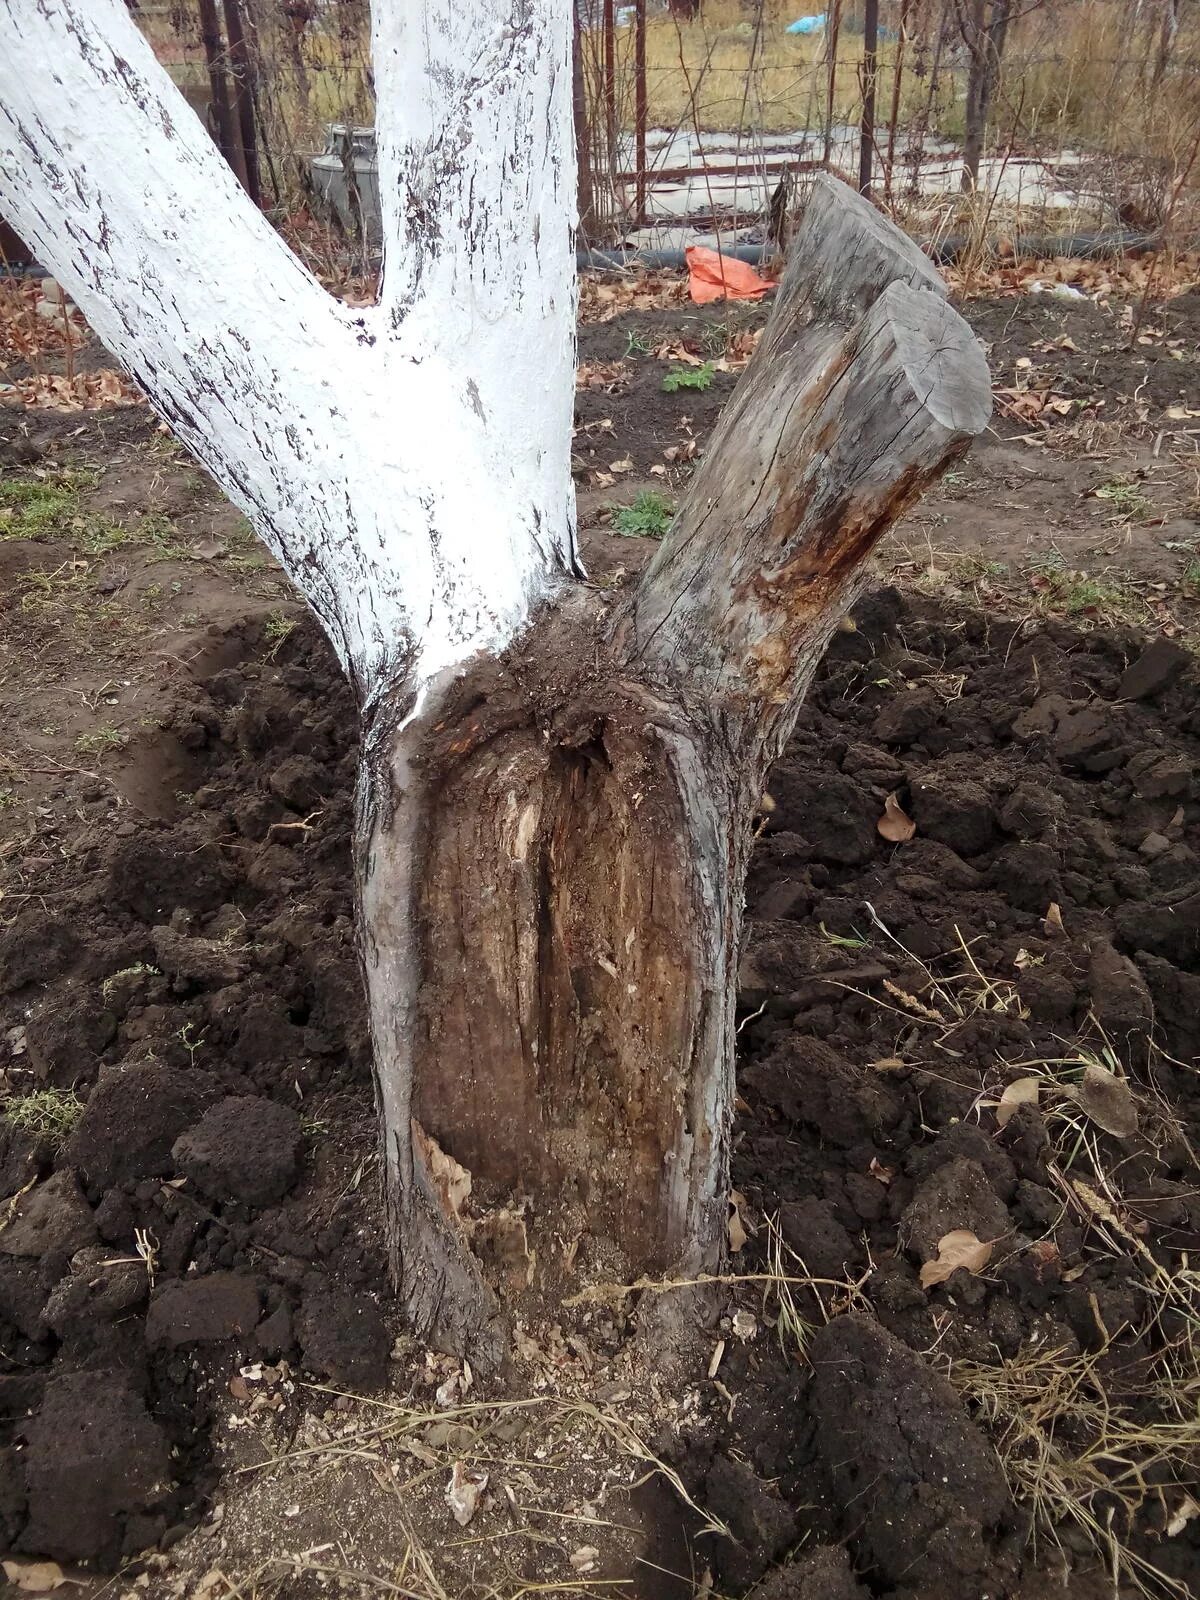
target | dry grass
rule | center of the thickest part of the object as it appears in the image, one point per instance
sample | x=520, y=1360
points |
x=1109, y=1439
x=560, y=1469
x=48, y=1115
x=1093, y=1442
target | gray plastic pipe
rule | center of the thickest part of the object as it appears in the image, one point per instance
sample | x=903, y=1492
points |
x=1075, y=245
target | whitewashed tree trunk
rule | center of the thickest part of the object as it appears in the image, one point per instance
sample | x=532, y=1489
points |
x=556, y=788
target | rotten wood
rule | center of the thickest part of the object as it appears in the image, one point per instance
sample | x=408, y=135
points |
x=864, y=387
x=557, y=845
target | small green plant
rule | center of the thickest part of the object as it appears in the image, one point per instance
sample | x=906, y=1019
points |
x=101, y=537
x=192, y=1044
x=648, y=517
x=48, y=1114
x=1190, y=580
x=7, y=798
x=1125, y=496
x=101, y=740
x=137, y=970
x=716, y=337
x=161, y=534
x=1094, y=595
x=842, y=941
x=689, y=377
x=638, y=343
x=276, y=629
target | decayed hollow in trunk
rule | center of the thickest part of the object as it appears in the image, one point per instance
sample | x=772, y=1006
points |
x=556, y=839
x=557, y=784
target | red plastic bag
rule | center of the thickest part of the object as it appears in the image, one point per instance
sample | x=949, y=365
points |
x=712, y=276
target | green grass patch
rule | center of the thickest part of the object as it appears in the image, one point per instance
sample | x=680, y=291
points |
x=1125, y=496
x=43, y=508
x=689, y=377
x=1080, y=595
x=648, y=517
x=101, y=740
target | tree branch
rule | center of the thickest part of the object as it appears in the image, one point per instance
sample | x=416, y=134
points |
x=866, y=385
x=475, y=142
x=374, y=471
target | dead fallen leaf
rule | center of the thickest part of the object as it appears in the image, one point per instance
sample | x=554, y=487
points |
x=608, y=375
x=1188, y=1509
x=738, y=1232
x=584, y=1559
x=463, y=1492
x=452, y=1392
x=959, y=1248
x=208, y=550
x=1107, y=1101
x=34, y=1577
x=880, y=1173
x=86, y=391
x=895, y=824
x=744, y=1325
x=1052, y=922
x=1021, y=1092
x=678, y=350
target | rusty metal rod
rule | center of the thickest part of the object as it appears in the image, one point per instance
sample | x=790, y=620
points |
x=639, y=124
x=870, y=71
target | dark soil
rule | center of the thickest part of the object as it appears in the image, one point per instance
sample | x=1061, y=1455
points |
x=193, y=980
x=190, y=975
x=196, y=985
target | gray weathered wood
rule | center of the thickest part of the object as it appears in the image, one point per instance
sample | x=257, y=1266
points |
x=866, y=386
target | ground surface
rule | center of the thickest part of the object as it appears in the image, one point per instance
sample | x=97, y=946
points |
x=191, y=1290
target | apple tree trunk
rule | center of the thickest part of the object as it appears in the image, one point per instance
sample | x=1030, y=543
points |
x=557, y=783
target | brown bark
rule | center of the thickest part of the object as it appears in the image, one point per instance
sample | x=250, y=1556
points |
x=985, y=32
x=869, y=78
x=242, y=71
x=228, y=137
x=585, y=200
x=555, y=843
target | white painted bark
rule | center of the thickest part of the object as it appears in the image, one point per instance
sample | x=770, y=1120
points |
x=474, y=132
x=409, y=464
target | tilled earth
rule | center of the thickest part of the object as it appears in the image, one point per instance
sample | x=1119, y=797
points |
x=192, y=980
x=978, y=1042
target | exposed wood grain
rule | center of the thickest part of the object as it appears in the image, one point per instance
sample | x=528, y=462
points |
x=867, y=384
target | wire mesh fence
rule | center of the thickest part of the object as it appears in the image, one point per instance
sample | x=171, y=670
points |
x=995, y=118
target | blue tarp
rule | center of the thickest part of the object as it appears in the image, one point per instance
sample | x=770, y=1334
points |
x=807, y=25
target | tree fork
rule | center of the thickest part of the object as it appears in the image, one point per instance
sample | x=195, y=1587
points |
x=577, y=814
x=557, y=784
